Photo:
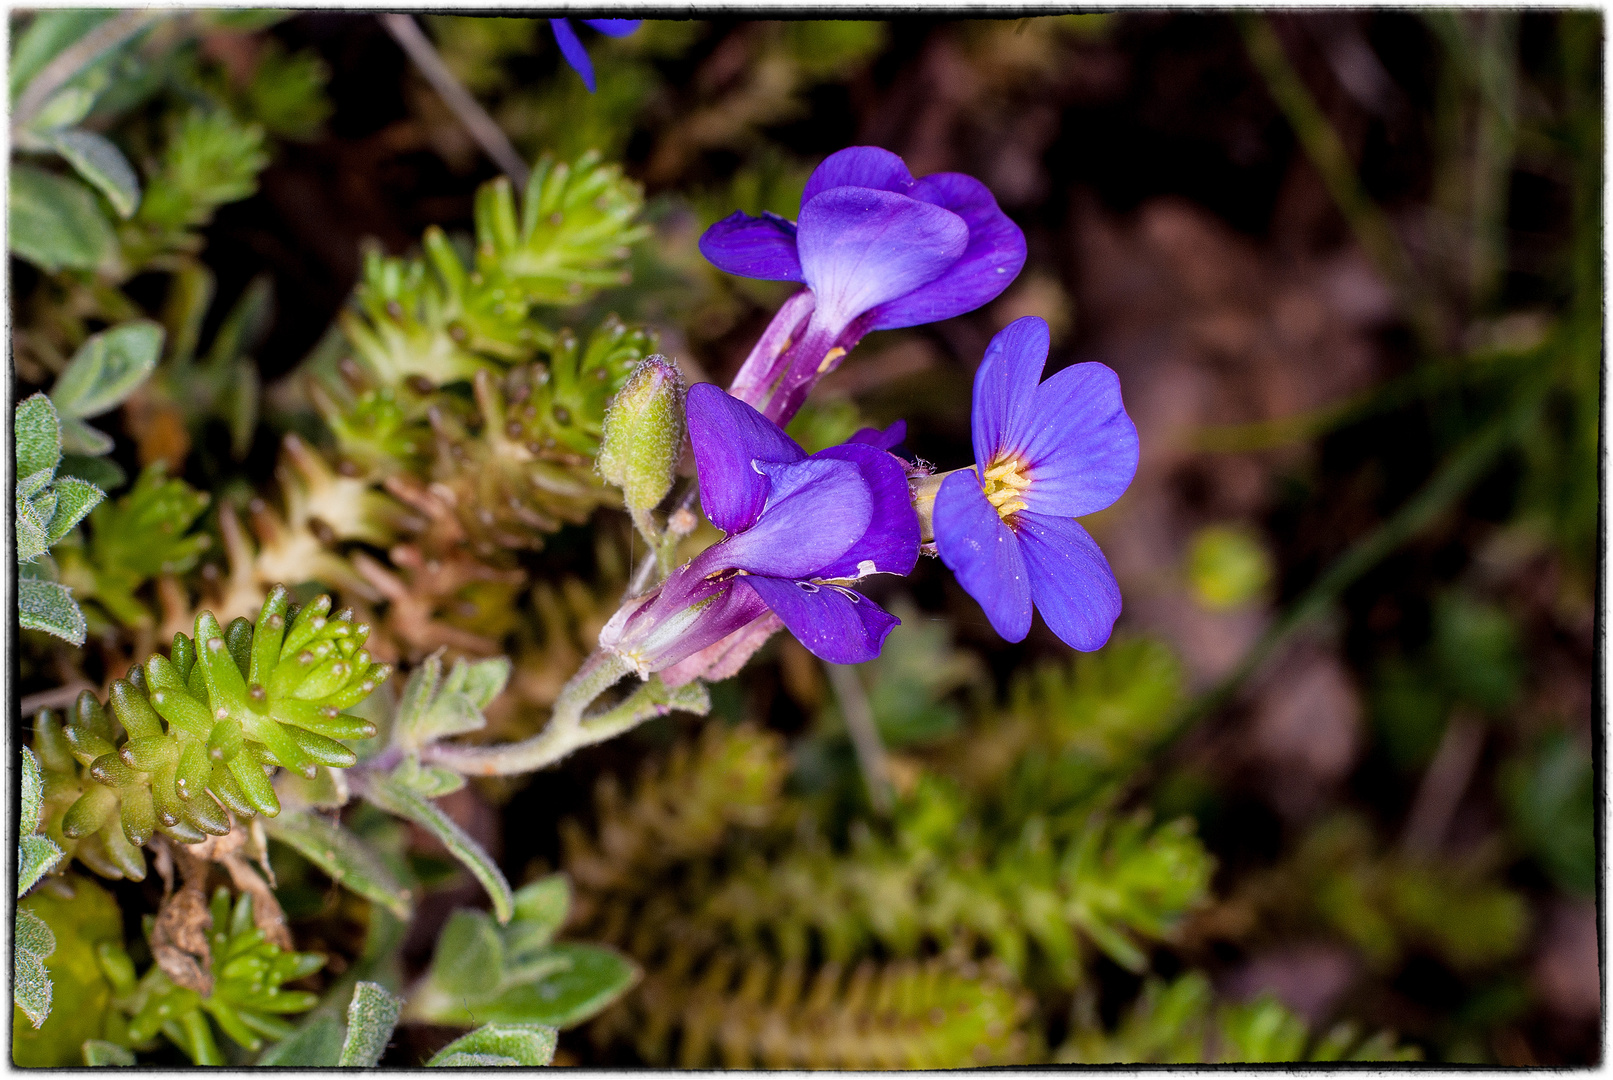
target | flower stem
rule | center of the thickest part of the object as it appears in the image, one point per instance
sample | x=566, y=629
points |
x=859, y=718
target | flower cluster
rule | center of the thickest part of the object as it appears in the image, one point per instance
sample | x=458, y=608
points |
x=875, y=249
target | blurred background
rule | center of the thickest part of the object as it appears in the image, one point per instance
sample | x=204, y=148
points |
x=1341, y=755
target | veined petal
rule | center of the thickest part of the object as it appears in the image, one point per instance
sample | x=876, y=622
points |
x=1082, y=450
x=614, y=27
x=727, y=435
x=1005, y=384
x=984, y=554
x=860, y=247
x=888, y=439
x=815, y=512
x=572, y=50
x=1075, y=590
x=837, y=625
x=993, y=258
x=890, y=545
x=753, y=247
x=858, y=166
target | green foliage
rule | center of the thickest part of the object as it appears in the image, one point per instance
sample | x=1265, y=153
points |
x=371, y=1016
x=287, y=93
x=84, y=922
x=210, y=159
x=31, y=982
x=642, y=437
x=516, y=974
x=343, y=857
x=102, y=164
x=1551, y=794
x=48, y=507
x=36, y=855
x=247, y=1000
x=106, y=369
x=56, y=223
x=1227, y=567
x=499, y=1045
x=1476, y=647
x=1180, y=1022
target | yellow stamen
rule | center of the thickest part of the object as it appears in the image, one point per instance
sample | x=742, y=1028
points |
x=1004, y=484
x=830, y=358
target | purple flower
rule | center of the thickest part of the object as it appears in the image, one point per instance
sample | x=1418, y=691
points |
x=801, y=531
x=571, y=48
x=876, y=250
x=1045, y=454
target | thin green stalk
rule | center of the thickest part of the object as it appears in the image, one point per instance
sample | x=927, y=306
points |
x=1327, y=153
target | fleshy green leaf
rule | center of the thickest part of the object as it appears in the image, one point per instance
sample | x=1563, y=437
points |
x=95, y=159
x=32, y=989
x=37, y=854
x=47, y=606
x=98, y=1052
x=39, y=437
x=370, y=1020
x=107, y=368
x=495, y=1044
x=55, y=221
x=343, y=857
x=396, y=799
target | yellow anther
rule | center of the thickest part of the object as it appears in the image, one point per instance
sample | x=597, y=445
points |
x=1004, y=483
x=829, y=359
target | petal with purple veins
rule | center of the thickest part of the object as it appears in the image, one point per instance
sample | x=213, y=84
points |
x=1082, y=449
x=753, y=247
x=727, y=436
x=1075, y=590
x=837, y=625
x=860, y=247
x=571, y=48
x=858, y=166
x=1005, y=385
x=984, y=554
x=993, y=258
x=815, y=512
x=890, y=545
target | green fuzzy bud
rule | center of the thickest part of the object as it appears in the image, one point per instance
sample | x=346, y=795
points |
x=644, y=434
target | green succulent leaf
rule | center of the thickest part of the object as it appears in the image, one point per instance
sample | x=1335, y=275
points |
x=32, y=990
x=56, y=223
x=95, y=159
x=371, y=1017
x=525, y=1045
x=108, y=368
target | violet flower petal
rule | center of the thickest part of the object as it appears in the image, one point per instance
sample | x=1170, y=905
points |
x=837, y=625
x=1005, y=385
x=815, y=512
x=890, y=545
x=993, y=258
x=888, y=439
x=1076, y=592
x=1082, y=448
x=753, y=247
x=571, y=48
x=984, y=553
x=727, y=435
x=858, y=166
x=860, y=247
x=614, y=27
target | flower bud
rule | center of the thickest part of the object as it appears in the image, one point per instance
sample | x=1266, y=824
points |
x=643, y=435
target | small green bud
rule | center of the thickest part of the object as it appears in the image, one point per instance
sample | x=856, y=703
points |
x=644, y=434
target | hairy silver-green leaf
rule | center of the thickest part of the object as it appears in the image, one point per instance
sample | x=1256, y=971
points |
x=99, y=1052
x=95, y=159
x=429, y=711
x=394, y=798
x=108, y=368
x=47, y=606
x=540, y=911
x=55, y=221
x=343, y=857
x=317, y=1046
x=79, y=438
x=528, y=1045
x=74, y=499
x=31, y=989
x=370, y=1020
x=36, y=854
x=39, y=437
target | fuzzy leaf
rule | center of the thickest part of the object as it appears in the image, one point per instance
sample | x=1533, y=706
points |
x=95, y=159
x=540, y=911
x=396, y=799
x=99, y=1052
x=108, y=368
x=428, y=712
x=55, y=222
x=47, y=606
x=370, y=1020
x=32, y=989
x=74, y=499
x=343, y=857
x=37, y=854
x=575, y=983
x=79, y=438
x=39, y=437
x=527, y=1045
x=48, y=33
x=104, y=474
x=318, y=1045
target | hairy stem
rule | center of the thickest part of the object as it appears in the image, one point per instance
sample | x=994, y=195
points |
x=482, y=127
